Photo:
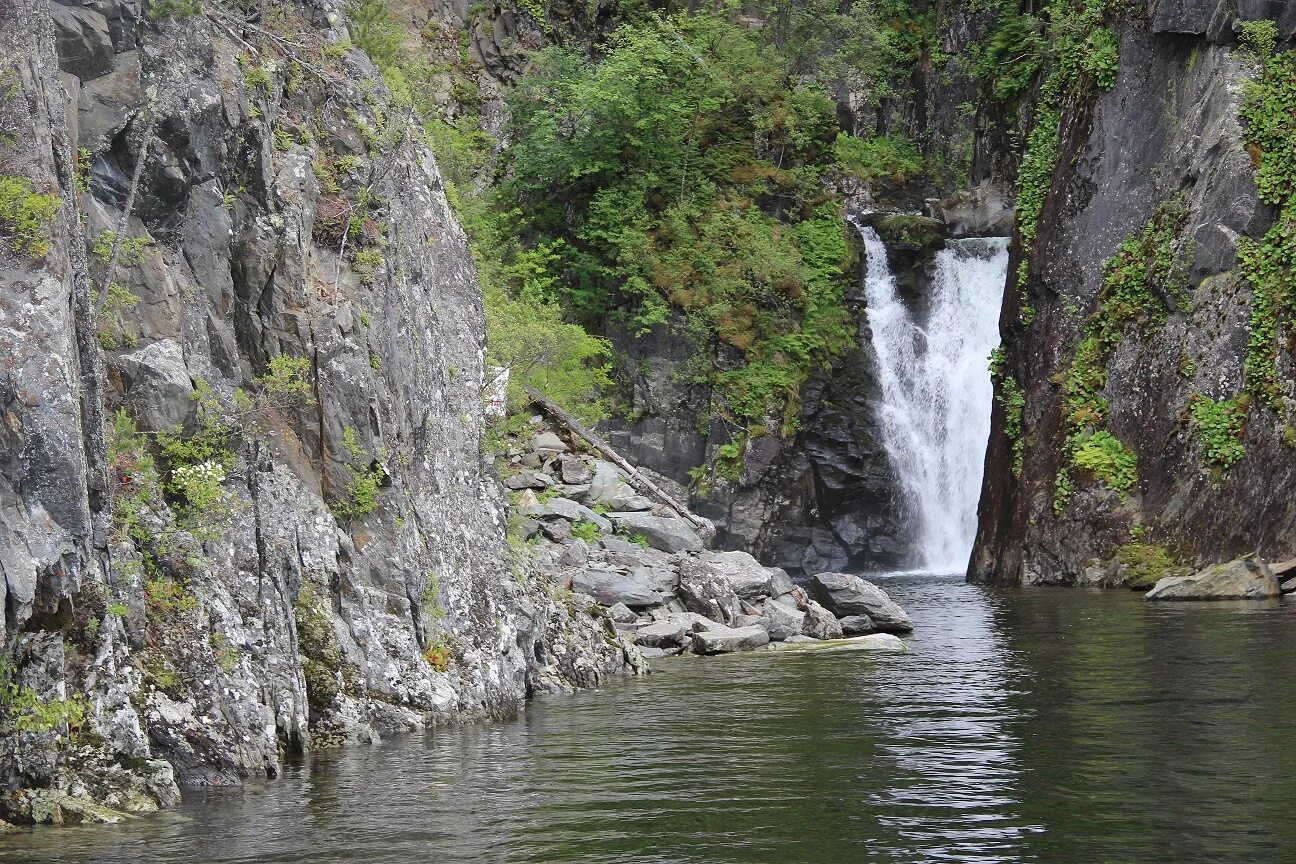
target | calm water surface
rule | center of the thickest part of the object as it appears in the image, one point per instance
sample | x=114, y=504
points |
x=1027, y=726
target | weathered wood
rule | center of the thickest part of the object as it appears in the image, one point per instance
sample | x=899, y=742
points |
x=576, y=427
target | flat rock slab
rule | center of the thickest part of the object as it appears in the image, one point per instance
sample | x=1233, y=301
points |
x=1246, y=578
x=871, y=642
x=725, y=640
x=668, y=535
x=610, y=588
x=845, y=595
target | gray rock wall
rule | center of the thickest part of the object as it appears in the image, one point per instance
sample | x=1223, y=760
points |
x=199, y=647
x=1169, y=127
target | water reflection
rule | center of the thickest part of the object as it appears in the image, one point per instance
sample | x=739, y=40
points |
x=1030, y=726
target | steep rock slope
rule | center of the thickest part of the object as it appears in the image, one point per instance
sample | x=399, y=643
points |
x=288, y=532
x=1133, y=429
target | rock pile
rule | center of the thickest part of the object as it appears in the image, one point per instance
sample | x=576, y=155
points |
x=648, y=570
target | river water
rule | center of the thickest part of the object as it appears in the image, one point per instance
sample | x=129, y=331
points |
x=1027, y=726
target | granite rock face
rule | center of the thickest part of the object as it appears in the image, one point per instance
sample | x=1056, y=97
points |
x=348, y=573
x=1167, y=134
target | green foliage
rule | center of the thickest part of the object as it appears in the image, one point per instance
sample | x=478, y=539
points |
x=438, y=655
x=287, y=381
x=1259, y=37
x=318, y=645
x=164, y=598
x=637, y=183
x=1079, y=53
x=366, y=263
x=1107, y=459
x=1013, y=399
x=129, y=252
x=1221, y=425
x=24, y=710
x=587, y=531
x=528, y=335
x=1269, y=114
x=177, y=10
x=891, y=158
x=112, y=327
x=1147, y=270
x=1144, y=564
x=118, y=609
x=26, y=216
x=367, y=478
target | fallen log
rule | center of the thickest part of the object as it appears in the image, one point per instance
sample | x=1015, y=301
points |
x=548, y=406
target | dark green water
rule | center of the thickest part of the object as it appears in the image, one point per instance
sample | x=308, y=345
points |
x=1027, y=726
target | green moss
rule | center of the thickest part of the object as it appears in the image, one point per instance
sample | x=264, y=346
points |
x=26, y=216
x=1144, y=564
x=909, y=232
x=317, y=643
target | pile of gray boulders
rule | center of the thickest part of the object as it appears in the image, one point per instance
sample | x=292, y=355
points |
x=648, y=570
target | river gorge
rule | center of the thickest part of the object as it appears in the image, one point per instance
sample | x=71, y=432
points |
x=532, y=430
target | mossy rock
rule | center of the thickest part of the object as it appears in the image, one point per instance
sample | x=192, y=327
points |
x=909, y=233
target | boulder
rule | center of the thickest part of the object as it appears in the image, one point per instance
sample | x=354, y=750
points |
x=529, y=480
x=656, y=578
x=820, y=623
x=575, y=555
x=726, y=640
x=622, y=614
x=573, y=470
x=548, y=444
x=877, y=642
x=157, y=385
x=565, y=508
x=662, y=634
x=780, y=582
x=744, y=575
x=785, y=621
x=856, y=625
x=1246, y=578
x=668, y=535
x=846, y=594
x=610, y=588
x=607, y=487
x=799, y=639
x=708, y=596
x=556, y=530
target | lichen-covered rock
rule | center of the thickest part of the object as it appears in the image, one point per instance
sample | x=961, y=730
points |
x=1244, y=579
x=315, y=550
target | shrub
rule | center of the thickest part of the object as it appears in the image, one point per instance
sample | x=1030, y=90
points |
x=26, y=216
x=587, y=531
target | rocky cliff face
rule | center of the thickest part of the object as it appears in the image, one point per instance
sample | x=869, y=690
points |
x=1135, y=428
x=288, y=534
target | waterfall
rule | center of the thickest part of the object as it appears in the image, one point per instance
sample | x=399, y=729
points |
x=936, y=393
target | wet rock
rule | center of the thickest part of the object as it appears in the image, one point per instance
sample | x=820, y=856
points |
x=846, y=594
x=729, y=639
x=1246, y=578
x=610, y=587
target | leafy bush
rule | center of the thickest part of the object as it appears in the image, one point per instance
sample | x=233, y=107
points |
x=587, y=531
x=1107, y=459
x=894, y=159
x=1221, y=425
x=26, y=216
x=1259, y=37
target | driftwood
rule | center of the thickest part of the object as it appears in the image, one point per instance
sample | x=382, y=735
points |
x=577, y=428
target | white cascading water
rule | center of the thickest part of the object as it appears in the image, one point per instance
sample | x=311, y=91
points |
x=936, y=390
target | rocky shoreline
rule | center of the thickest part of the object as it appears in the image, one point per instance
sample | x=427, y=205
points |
x=647, y=568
